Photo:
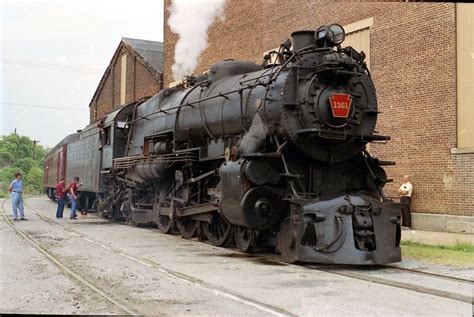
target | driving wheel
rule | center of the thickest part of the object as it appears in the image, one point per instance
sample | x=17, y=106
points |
x=187, y=227
x=244, y=239
x=164, y=224
x=218, y=231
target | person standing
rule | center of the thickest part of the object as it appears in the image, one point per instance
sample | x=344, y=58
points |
x=16, y=192
x=72, y=194
x=405, y=191
x=60, y=197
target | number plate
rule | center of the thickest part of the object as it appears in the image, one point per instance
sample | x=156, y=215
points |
x=340, y=104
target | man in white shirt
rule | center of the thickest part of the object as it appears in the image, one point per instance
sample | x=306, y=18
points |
x=405, y=192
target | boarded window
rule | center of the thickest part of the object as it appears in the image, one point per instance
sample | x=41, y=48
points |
x=358, y=36
x=465, y=74
x=123, y=78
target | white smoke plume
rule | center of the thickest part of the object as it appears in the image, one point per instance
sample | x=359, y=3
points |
x=190, y=19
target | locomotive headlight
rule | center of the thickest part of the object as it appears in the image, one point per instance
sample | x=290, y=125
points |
x=331, y=35
x=336, y=34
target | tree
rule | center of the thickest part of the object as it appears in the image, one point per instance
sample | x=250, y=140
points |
x=34, y=180
x=25, y=164
x=20, y=154
x=5, y=158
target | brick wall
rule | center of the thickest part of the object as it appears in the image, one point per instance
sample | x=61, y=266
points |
x=413, y=64
x=140, y=83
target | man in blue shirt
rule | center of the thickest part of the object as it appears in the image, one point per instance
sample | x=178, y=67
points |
x=16, y=190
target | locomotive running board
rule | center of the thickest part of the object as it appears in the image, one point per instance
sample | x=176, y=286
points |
x=128, y=162
x=329, y=134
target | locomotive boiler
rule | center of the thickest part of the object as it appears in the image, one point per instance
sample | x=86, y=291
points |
x=269, y=154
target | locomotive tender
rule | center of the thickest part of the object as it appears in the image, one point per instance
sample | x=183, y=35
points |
x=257, y=155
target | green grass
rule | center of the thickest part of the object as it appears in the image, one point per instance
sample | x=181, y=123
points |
x=459, y=254
x=25, y=196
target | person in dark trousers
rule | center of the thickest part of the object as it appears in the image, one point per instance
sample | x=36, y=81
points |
x=60, y=197
x=72, y=194
x=405, y=191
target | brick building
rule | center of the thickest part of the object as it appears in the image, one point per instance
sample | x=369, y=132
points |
x=134, y=72
x=421, y=60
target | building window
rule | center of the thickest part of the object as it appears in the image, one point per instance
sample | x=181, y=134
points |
x=465, y=74
x=358, y=36
x=123, y=78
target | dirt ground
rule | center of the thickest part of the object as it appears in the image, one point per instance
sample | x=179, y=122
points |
x=93, y=266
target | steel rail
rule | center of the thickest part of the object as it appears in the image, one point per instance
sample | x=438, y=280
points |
x=398, y=284
x=452, y=278
x=340, y=270
x=272, y=310
x=66, y=270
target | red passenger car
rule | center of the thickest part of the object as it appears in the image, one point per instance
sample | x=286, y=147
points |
x=55, y=165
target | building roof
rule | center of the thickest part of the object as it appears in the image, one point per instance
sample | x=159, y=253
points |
x=68, y=139
x=149, y=53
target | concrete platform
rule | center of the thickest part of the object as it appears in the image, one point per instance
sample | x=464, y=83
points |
x=435, y=237
x=443, y=223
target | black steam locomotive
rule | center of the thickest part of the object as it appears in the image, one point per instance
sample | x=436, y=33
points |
x=258, y=155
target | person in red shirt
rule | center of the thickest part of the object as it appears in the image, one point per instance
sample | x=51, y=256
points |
x=72, y=194
x=60, y=197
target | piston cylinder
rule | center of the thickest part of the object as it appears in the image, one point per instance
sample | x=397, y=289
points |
x=246, y=205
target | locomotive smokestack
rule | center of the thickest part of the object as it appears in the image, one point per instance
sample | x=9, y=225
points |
x=302, y=39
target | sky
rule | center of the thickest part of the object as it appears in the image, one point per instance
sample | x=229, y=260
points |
x=53, y=54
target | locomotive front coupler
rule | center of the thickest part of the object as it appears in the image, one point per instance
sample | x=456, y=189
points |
x=348, y=229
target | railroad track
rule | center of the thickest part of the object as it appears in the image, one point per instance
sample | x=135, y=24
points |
x=368, y=274
x=394, y=277
x=272, y=310
x=64, y=268
x=451, y=278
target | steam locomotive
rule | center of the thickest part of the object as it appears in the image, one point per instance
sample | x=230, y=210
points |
x=253, y=155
